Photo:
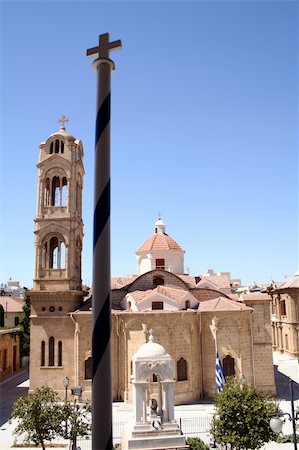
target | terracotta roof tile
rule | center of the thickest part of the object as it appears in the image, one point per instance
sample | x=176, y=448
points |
x=159, y=241
x=172, y=293
x=118, y=282
x=222, y=304
x=221, y=281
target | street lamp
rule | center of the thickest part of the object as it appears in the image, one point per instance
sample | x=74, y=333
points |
x=76, y=392
x=66, y=382
x=276, y=422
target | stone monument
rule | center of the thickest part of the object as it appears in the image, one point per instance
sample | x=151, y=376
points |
x=154, y=426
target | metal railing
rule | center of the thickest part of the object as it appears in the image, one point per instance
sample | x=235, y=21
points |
x=190, y=426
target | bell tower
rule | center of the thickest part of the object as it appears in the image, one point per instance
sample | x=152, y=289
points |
x=58, y=222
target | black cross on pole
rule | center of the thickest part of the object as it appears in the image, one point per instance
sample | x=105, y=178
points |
x=104, y=46
x=101, y=284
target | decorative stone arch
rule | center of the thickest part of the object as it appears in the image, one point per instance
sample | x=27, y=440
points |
x=55, y=185
x=53, y=251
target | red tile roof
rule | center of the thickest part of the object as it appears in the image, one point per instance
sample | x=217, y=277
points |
x=172, y=293
x=221, y=281
x=222, y=304
x=159, y=241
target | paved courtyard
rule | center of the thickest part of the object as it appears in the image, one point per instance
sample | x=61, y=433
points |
x=285, y=368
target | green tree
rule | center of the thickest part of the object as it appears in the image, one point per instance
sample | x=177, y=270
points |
x=242, y=416
x=39, y=416
x=25, y=327
x=197, y=444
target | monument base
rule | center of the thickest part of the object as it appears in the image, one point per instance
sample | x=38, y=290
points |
x=144, y=436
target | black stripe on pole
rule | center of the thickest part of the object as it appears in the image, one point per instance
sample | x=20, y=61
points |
x=101, y=213
x=103, y=117
x=101, y=335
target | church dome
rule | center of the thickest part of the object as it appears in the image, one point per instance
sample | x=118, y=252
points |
x=63, y=133
x=159, y=242
x=151, y=349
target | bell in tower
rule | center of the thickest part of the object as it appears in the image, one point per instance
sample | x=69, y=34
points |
x=58, y=223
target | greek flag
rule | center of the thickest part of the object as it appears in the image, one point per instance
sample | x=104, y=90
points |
x=220, y=378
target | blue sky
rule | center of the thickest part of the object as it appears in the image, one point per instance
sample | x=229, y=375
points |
x=204, y=127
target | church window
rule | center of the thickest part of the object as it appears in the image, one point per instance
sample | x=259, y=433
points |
x=181, y=368
x=157, y=305
x=160, y=263
x=228, y=365
x=64, y=191
x=43, y=354
x=155, y=378
x=53, y=253
x=47, y=192
x=60, y=308
x=62, y=255
x=55, y=191
x=62, y=147
x=282, y=304
x=51, y=351
x=59, y=353
x=187, y=304
x=51, y=147
x=88, y=368
x=56, y=146
x=17, y=320
x=52, y=308
x=158, y=281
x=43, y=308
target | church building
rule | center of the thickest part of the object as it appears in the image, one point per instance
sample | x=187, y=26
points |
x=189, y=315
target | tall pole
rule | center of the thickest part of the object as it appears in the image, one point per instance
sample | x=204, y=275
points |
x=101, y=307
x=294, y=417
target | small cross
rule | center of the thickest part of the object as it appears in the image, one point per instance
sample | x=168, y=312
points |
x=62, y=120
x=104, y=46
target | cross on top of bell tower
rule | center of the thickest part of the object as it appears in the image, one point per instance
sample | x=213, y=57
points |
x=104, y=46
x=63, y=119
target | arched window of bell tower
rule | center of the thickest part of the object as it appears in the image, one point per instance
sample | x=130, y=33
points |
x=64, y=192
x=53, y=253
x=55, y=191
x=62, y=255
x=56, y=146
x=47, y=192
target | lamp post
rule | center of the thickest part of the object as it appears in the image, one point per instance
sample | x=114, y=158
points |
x=66, y=382
x=276, y=422
x=76, y=392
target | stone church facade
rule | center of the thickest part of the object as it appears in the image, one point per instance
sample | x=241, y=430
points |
x=190, y=315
